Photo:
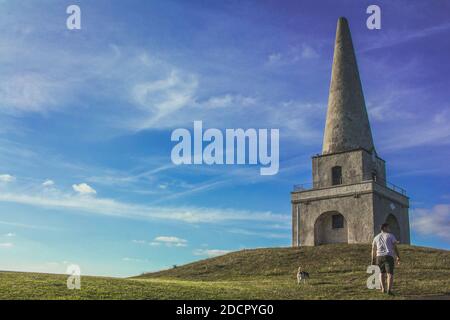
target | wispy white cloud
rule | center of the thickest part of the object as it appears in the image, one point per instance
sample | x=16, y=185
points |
x=111, y=207
x=10, y=234
x=260, y=234
x=26, y=226
x=6, y=178
x=168, y=241
x=307, y=52
x=128, y=259
x=392, y=106
x=210, y=252
x=301, y=120
x=84, y=188
x=428, y=132
x=6, y=245
x=228, y=100
x=161, y=98
x=149, y=92
x=28, y=93
x=294, y=55
x=48, y=183
x=124, y=180
x=171, y=241
x=274, y=58
x=201, y=187
x=392, y=38
x=432, y=222
x=217, y=178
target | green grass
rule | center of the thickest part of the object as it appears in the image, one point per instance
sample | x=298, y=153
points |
x=337, y=272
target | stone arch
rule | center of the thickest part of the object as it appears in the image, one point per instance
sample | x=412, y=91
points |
x=330, y=227
x=394, y=226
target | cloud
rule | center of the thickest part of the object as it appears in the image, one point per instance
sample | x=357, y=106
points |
x=432, y=222
x=260, y=234
x=293, y=55
x=151, y=243
x=149, y=88
x=171, y=241
x=83, y=188
x=393, y=105
x=127, y=259
x=111, y=207
x=307, y=52
x=302, y=121
x=48, y=183
x=161, y=98
x=6, y=178
x=274, y=58
x=210, y=252
x=425, y=133
x=168, y=241
x=148, y=93
x=176, y=100
x=194, y=189
x=403, y=105
x=6, y=245
x=228, y=100
x=10, y=235
x=27, y=93
x=28, y=226
x=398, y=37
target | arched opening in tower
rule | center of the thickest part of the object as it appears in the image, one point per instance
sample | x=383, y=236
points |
x=330, y=227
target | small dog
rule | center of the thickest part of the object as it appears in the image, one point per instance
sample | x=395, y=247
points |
x=302, y=275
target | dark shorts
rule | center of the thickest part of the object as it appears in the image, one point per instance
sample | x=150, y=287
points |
x=386, y=264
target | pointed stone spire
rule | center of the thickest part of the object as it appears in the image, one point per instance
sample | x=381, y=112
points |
x=347, y=126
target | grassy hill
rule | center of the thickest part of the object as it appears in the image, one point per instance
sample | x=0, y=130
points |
x=337, y=272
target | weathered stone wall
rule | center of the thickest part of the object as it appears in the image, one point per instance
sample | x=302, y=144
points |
x=357, y=166
x=351, y=163
x=357, y=211
x=384, y=206
x=365, y=206
x=370, y=163
x=295, y=224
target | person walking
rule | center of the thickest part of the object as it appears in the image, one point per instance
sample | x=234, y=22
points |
x=384, y=251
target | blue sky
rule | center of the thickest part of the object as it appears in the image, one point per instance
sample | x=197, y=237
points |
x=86, y=118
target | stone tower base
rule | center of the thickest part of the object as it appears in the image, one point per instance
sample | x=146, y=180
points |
x=348, y=214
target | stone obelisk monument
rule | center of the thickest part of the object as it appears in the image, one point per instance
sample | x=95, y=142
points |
x=349, y=198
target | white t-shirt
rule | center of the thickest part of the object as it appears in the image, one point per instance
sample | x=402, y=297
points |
x=385, y=244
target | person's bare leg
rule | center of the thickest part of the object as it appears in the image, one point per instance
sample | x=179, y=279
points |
x=390, y=281
x=383, y=282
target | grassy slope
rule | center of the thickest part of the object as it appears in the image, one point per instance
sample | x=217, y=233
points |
x=337, y=272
